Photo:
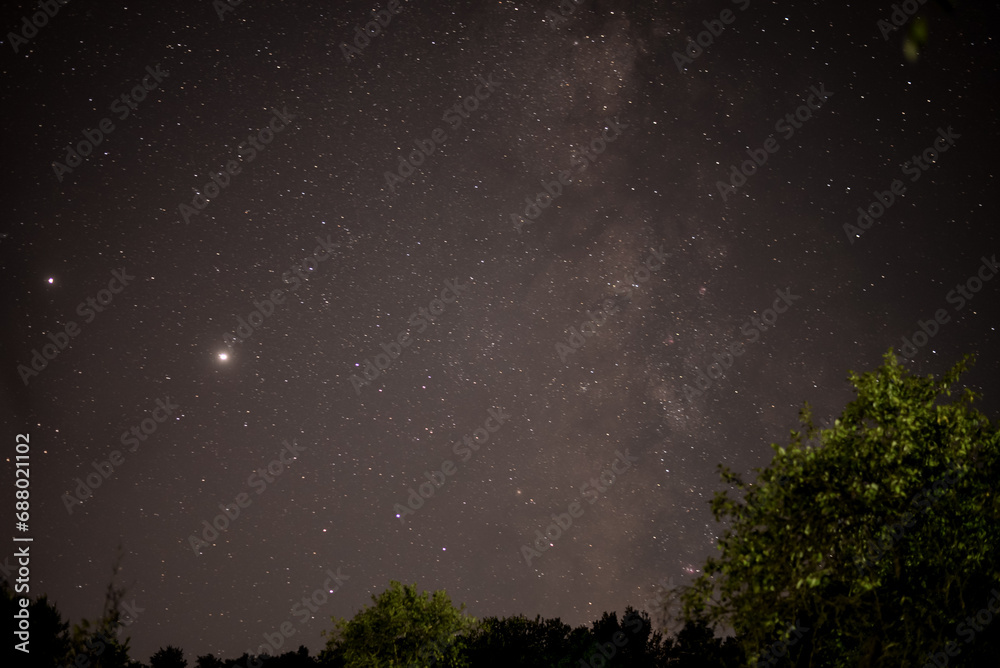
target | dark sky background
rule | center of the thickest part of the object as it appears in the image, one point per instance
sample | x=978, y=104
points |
x=655, y=185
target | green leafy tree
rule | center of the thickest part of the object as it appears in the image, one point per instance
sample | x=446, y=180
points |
x=402, y=628
x=880, y=542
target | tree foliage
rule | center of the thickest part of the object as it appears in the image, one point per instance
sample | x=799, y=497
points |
x=402, y=628
x=881, y=540
x=100, y=643
x=519, y=641
x=49, y=643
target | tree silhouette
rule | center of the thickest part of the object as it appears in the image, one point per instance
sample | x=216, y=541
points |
x=49, y=643
x=629, y=643
x=208, y=661
x=168, y=657
x=99, y=643
x=697, y=647
x=519, y=641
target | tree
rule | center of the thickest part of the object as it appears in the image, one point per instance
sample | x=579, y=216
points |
x=400, y=629
x=48, y=627
x=93, y=644
x=519, y=641
x=298, y=659
x=168, y=657
x=208, y=661
x=881, y=542
x=97, y=643
x=630, y=643
x=49, y=638
x=698, y=647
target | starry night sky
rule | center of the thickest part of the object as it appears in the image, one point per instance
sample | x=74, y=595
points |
x=607, y=69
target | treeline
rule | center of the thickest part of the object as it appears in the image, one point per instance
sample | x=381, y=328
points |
x=873, y=542
x=509, y=641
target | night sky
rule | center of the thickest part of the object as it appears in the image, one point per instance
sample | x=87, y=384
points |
x=573, y=336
